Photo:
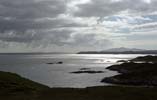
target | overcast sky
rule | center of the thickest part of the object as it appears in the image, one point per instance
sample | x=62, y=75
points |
x=76, y=25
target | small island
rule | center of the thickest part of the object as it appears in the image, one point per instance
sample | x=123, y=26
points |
x=87, y=71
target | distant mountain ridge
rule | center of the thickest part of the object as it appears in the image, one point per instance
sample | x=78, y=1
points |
x=121, y=50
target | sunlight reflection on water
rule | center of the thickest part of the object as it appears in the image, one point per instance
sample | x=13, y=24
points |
x=35, y=67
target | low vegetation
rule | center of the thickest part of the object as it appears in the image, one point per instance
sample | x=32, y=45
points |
x=14, y=87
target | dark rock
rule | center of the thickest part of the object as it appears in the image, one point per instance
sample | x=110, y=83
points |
x=123, y=61
x=85, y=69
x=139, y=74
x=55, y=63
x=147, y=59
x=109, y=80
x=50, y=63
x=89, y=72
x=59, y=62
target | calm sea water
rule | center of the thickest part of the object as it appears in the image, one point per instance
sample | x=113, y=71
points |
x=35, y=67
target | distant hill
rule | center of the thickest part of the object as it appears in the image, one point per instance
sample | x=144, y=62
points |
x=121, y=50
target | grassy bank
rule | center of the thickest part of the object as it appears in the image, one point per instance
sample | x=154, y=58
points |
x=14, y=87
x=101, y=93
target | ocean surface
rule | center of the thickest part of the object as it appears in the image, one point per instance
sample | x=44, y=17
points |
x=35, y=67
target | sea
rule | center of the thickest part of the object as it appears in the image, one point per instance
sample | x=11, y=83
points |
x=44, y=68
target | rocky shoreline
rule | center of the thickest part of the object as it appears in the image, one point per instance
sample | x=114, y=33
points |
x=143, y=75
x=135, y=73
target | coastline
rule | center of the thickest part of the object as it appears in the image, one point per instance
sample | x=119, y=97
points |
x=140, y=71
x=15, y=87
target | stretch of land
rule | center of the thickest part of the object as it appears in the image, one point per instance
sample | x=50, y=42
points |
x=121, y=50
x=137, y=81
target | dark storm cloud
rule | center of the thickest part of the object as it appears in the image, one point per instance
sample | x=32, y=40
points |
x=29, y=9
x=31, y=20
x=101, y=8
x=20, y=25
x=20, y=16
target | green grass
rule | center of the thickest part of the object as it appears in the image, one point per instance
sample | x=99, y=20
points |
x=101, y=93
x=14, y=87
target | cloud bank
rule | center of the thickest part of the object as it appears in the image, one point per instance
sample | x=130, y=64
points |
x=74, y=25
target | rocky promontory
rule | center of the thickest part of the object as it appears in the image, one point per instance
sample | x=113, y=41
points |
x=135, y=73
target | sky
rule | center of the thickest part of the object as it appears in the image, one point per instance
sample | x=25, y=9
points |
x=77, y=25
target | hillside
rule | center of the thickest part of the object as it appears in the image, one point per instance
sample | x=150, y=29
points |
x=121, y=50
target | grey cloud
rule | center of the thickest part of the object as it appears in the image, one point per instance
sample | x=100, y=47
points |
x=59, y=37
x=35, y=23
x=21, y=15
x=39, y=23
x=53, y=37
x=24, y=25
x=101, y=8
x=25, y=21
x=146, y=26
x=28, y=9
x=90, y=41
x=40, y=37
x=28, y=31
